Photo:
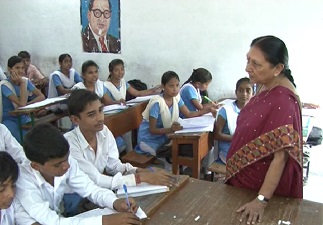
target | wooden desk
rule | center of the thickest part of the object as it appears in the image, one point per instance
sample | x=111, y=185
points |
x=216, y=203
x=200, y=147
x=33, y=111
x=126, y=120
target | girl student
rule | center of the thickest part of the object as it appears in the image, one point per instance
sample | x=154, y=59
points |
x=15, y=91
x=91, y=82
x=62, y=80
x=190, y=91
x=117, y=89
x=226, y=121
x=117, y=85
x=161, y=115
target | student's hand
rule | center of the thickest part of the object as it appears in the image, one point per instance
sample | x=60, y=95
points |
x=176, y=126
x=122, y=101
x=160, y=177
x=16, y=78
x=120, y=219
x=156, y=90
x=252, y=211
x=120, y=205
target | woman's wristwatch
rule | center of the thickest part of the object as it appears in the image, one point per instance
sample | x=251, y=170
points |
x=262, y=199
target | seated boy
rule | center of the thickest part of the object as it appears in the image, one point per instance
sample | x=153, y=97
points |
x=50, y=172
x=92, y=144
x=31, y=71
x=8, y=176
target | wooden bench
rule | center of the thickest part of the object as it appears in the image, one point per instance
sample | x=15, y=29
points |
x=138, y=160
x=217, y=168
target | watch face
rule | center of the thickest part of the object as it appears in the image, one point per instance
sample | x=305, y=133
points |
x=261, y=197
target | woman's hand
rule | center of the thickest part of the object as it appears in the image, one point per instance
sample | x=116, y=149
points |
x=252, y=211
x=16, y=78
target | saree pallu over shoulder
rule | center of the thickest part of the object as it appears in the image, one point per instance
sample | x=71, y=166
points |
x=269, y=123
x=284, y=137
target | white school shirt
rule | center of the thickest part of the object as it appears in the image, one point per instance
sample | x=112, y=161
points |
x=42, y=201
x=7, y=216
x=106, y=158
x=9, y=144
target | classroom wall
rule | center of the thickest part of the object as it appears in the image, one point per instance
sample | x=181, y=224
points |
x=179, y=35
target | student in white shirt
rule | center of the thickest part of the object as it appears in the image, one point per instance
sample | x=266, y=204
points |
x=50, y=172
x=8, y=176
x=92, y=144
x=9, y=144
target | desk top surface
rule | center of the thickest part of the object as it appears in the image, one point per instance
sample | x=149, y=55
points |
x=216, y=203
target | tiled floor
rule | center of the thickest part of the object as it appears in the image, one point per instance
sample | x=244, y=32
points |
x=313, y=188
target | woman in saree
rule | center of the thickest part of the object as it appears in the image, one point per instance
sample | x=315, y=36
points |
x=266, y=149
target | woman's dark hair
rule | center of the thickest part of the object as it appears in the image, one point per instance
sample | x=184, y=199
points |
x=87, y=64
x=8, y=168
x=275, y=52
x=200, y=75
x=13, y=60
x=63, y=56
x=167, y=76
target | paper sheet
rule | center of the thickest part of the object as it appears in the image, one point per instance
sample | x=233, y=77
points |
x=203, y=123
x=140, y=99
x=107, y=211
x=142, y=189
x=114, y=107
x=45, y=102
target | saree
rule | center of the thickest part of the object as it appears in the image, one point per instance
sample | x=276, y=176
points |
x=270, y=122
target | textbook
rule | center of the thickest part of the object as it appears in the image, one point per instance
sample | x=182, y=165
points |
x=141, y=190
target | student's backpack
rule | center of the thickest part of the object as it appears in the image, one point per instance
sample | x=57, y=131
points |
x=136, y=84
x=315, y=137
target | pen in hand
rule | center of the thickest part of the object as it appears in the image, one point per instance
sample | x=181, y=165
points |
x=127, y=197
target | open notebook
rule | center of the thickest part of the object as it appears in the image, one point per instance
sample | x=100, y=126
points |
x=142, y=189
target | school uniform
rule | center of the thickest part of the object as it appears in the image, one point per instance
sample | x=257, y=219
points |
x=106, y=159
x=10, y=144
x=99, y=87
x=42, y=201
x=7, y=216
x=11, y=122
x=188, y=93
x=158, y=109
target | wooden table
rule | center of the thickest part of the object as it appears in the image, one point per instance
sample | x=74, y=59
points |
x=215, y=203
x=125, y=120
x=200, y=146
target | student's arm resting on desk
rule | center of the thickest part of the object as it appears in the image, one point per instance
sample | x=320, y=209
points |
x=255, y=208
x=38, y=208
x=136, y=93
x=39, y=96
x=102, y=180
x=59, y=86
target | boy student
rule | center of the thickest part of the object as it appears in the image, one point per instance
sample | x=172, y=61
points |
x=50, y=172
x=31, y=71
x=92, y=144
x=9, y=172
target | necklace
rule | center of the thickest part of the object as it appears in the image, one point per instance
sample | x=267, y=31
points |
x=256, y=98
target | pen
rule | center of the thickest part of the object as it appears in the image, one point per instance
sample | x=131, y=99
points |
x=207, y=98
x=126, y=193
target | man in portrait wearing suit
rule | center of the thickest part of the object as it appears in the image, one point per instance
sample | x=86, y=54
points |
x=95, y=37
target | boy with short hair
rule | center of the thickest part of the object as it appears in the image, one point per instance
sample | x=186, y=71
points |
x=50, y=172
x=8, y=177
x=92, y=144
x=31, y=71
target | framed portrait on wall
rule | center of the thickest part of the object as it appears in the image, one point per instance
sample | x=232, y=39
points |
x=100, y=20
